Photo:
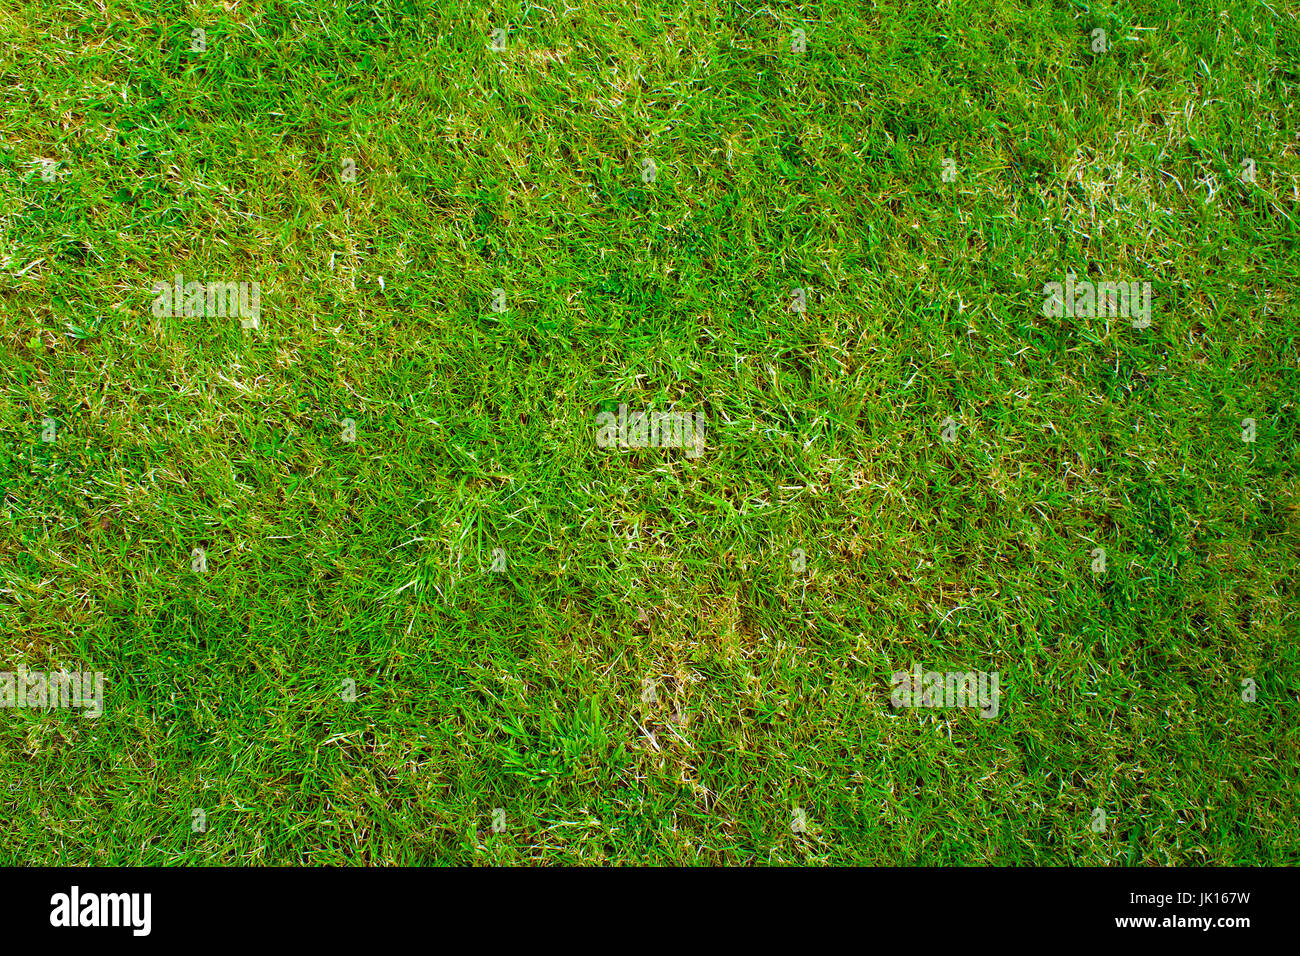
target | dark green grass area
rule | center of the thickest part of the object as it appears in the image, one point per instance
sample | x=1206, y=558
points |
x=652, y=678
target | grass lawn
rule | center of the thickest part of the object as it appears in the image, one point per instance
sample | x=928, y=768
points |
x=365, y=587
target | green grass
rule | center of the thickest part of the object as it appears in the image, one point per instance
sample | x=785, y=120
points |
x=521, y=170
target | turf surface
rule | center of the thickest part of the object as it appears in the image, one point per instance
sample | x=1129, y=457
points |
x=680, y=659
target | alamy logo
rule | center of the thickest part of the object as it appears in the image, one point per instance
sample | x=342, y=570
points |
x=1088, y=300
x=652, y=430
x=38, y=689
x=953, y=689
x=213, y=300
x=103, y=909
